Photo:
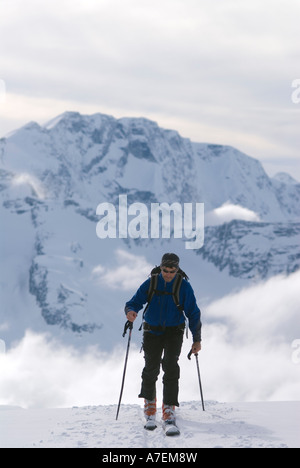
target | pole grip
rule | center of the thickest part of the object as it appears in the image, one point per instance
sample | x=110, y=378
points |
x=190, y=354
x=128, y=325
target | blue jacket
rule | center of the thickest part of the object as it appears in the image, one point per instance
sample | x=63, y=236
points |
x=162, y=310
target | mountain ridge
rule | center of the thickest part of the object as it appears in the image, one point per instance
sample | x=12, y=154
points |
x=101, y=146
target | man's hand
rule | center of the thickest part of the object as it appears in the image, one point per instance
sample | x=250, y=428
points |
x=196, y=347
x=131, y=316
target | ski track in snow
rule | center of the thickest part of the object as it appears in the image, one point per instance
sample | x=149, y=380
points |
x=222, y=425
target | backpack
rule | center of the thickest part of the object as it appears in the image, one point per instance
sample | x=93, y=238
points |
x=175, y=291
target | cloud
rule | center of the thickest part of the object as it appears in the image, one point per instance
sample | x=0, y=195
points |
x=33, y=182
x=250, y=341
x=2, y=91
x=155, y=59
x=264, y=311
x=248, y=355
x=2, y=346
x=130, y=270
x=41, y=372
x=227, y=212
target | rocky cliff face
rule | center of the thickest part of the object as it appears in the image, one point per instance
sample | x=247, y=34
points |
x=253, y=250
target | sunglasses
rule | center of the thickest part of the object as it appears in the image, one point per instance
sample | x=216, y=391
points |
x=171, y=272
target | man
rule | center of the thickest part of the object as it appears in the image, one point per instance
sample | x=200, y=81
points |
x=164, y=325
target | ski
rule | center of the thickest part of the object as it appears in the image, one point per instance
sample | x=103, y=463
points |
x=171, y=429
x=150, y=424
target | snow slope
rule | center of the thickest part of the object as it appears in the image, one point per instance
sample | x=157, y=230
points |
x=222, y=425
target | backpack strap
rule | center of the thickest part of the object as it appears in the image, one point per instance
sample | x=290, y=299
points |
x=153, y=283
x=176, y=289
x=152, y=289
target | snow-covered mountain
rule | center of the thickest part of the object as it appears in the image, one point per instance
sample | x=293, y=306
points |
x=89, y=158
x=253, y=250
x=56, y=272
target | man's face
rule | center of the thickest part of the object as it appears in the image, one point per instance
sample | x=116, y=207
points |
x=168, y=273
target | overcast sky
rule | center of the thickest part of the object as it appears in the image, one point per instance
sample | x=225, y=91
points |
x=217, y=71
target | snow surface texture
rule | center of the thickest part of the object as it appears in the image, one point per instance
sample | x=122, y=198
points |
x=222, y=425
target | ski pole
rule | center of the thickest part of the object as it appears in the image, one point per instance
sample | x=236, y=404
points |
x=128, y=325
x=199, y=378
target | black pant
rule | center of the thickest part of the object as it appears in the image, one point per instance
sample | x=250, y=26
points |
x=170, y=342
